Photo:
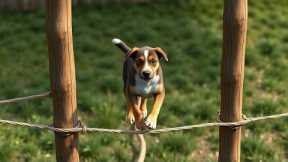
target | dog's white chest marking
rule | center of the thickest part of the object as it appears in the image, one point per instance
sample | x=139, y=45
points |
x=145, y=88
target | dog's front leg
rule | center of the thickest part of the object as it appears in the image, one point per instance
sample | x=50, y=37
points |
x=151, y=120
x=134, y=105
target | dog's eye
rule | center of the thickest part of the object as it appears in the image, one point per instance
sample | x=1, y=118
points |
x=153, y=61
x=140, y=61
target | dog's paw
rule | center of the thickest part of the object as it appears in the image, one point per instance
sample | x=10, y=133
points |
x=139, y=125
x=150, y=122
x=130, y=118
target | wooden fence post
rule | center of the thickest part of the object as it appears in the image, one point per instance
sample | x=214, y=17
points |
x=232, y=76
x=62, y=77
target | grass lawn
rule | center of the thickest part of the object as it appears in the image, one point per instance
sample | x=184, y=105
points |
x=191, y=34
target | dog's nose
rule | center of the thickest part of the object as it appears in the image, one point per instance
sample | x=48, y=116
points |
x=146, y=74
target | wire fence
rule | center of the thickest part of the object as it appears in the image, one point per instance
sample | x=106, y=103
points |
x=14, y=100
x=84, y=129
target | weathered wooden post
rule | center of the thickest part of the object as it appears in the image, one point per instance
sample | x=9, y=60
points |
x=232, y=75
x=62, y=76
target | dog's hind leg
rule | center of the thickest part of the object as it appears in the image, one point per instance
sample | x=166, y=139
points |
x=130, y=115
x=143, y=106
x=134, y=103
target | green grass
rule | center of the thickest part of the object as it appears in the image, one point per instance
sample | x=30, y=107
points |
x=191, y=33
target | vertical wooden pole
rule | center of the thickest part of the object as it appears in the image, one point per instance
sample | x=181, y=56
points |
x=232, y=75
x=62, y=76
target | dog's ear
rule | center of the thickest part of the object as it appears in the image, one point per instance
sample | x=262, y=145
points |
x=133, y=52
x=160, y=53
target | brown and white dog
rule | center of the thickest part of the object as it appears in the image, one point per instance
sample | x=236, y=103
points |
x=143, y=78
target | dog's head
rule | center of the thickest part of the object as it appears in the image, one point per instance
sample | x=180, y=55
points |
x=146, y=61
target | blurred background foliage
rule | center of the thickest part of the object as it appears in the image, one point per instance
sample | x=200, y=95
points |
x=190, y=32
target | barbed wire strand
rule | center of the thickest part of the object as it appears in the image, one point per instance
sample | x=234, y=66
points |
x=14, y=100
x=155, y=131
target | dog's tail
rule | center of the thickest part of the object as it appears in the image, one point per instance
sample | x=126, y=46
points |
x=120, y=44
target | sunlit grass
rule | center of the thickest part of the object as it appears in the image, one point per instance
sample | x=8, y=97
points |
x=191, y=33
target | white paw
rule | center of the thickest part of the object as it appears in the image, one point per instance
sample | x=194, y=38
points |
x=150, y=122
